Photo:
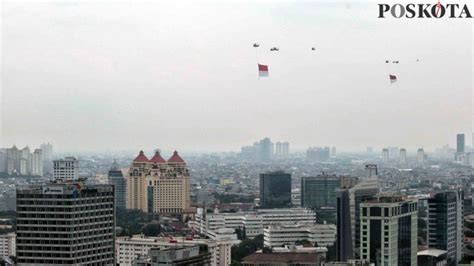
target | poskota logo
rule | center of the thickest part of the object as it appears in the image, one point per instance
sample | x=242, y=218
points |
x=424, y=10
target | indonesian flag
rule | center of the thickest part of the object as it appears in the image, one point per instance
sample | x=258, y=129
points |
x=393, y=78
x=262, y=70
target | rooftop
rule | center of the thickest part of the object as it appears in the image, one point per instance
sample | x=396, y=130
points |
x=290, y=257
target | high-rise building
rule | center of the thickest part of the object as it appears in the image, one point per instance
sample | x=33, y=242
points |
x=371, y=170
x=333, y=152
x=21, y=162
x=286, y=148
x=65, y=223
x=275, y=190
x=445, y=224
x=460, y=143
x=344, y=249
x=421, y=156
x=385, y=155
x=265, y=150
x=47, y=149
x=66, y=169
x=116, y=178
x=389, y=231
x=159, y=186
x=363, y=191
x=319, y=191
x=403, y=155
x=318, y=154
x=278, y=149
x=37, y=162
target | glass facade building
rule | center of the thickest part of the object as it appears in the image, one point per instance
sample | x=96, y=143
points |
x=275, y=190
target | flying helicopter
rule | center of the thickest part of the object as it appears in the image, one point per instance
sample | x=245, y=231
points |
x=274, y=49
x=313, y=49
x=256, y=45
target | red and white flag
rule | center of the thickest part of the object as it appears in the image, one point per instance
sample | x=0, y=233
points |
x=393, y=79
x=262, y=70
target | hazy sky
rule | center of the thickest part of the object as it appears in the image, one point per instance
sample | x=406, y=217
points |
x=109, y=75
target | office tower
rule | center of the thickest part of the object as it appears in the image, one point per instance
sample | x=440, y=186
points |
x=420, y=156
x=65, y=223
x=344, y=250
x=275, y=190
x=369, y=149
x=371, y=170
x=333, y=152
x=116, y=178
x=159, y=186
x=13, y=161
x=265, y=150
x=319, y=191
x=3, y=159
x=389, y=231
x=25, y=166
x=278, y=149
x=460, y=143
x=21, y=162
x=445, y=224
x=286, y=148
x=385, y=155
x=318, y=154
x=403, y=155
x=47, y=149
x=363, y=191
x=66, y=169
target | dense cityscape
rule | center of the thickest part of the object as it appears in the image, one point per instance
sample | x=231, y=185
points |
x=262, y=205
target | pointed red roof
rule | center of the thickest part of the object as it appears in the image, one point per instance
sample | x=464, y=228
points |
x=175, y=158
x=157, y=158
x=141, y=158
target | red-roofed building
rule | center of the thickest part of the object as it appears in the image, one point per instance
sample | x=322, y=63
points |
x=175, y=158
x=157, y=158
x=141, y=158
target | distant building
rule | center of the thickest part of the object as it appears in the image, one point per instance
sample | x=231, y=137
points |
x=21, y=162
x=371, y=170
x=47, y=149
x=403, y=156
x=348, y=263
x=389, y=231
x=460, y=143
x=319, y=191
x=344, y=250
x=333, y=152
x=65, y=223
x=275, y=190
x=279, y=149
x=445, y=224
x=116, y=178
x=66, y=169
x=421, y=156
x=385, y=155
x=285, y=148
x=318, y=154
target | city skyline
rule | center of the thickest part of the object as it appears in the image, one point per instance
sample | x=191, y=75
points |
x=129, y=78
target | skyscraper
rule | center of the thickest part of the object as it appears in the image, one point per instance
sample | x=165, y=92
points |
x=371, y=170
x=275, y=190
x=319, y=191
x=65, y=223
x=445, y=224
x=460, y=143
x=385, y=155
x=344, y=249
x=363, y=191
x=47, y=149
x=389, y=231
x=159, y=186
x=421, y=156
x=278, y=149
x=318, y=154
x=265, y=150
x=403, y=155
x=66, y=169
x=286, y=148
x=116, y=178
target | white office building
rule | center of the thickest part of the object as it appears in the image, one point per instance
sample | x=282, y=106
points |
x=129, y=248
x=323, y=235
x=252, y=222
x=66, y=169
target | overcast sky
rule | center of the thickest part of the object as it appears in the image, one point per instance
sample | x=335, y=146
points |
x=135, y=75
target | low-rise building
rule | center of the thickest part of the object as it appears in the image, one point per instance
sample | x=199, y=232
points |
x=8, y=245
x=282, y=259
x=323, y=235
x=197, y=255
x=128, y=249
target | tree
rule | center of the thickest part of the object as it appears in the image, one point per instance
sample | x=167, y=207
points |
x=152, y=229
